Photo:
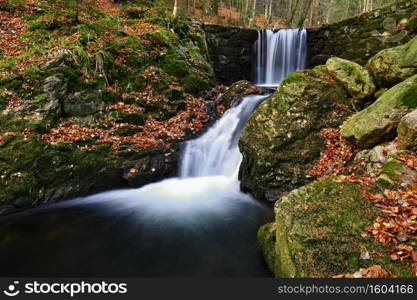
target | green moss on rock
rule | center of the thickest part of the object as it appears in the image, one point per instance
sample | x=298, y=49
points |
x=393, y=65
x=407, y=132
x=318, y=232
x=409, y=60
x=357, y=80
x=194, y=84
x=234, y=93
x=282, y=138
x=378, y=122
x=32, y=172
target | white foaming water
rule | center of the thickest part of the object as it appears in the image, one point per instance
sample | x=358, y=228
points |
x=217, y=152
x=278, y=54
x=208, y=182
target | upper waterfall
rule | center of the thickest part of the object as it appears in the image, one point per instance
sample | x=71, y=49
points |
x=279, y=53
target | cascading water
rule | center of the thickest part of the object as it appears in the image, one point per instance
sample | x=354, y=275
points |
x=217, y=152
x=198, y=224
x=279, y=53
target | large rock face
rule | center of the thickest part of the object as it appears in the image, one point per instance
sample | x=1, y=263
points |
x=231, y=50
x=407, y=132
x=282, y=139
x=359, y=38
x=318, y=233
x=357, y=81
x=378, y=122
x=394, y=65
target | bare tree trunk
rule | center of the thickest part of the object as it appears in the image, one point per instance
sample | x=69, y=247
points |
x=175, y=12
x=293, y=13
x=304, y=14
x=269, y=19
x=206, y=7
x=310, y=18
x=77, y=11
x=253, y=13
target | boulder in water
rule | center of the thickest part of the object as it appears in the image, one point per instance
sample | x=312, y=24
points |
x=356, y=79
x=282, y=138
x=236, y=92
x=378, y=122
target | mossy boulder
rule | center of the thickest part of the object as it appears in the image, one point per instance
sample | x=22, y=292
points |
x=356, y=79
x=409, y=60
x=34, y=173
x=319, y=232
x=407, y=132
x=282, y=138
x=394, y=65
x=378, y=122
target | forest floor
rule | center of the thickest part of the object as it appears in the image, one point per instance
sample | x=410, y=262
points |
x=398, y=207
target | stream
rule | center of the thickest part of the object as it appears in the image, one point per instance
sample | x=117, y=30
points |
x=198, y=224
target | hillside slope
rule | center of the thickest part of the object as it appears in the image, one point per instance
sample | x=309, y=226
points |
x=94, y=100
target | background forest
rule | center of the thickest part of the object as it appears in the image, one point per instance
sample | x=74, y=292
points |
x=275, y=13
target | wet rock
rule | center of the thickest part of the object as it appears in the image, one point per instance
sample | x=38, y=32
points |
x=231, y=51
x=236, y=92
x=149, y=165
x=282, y=138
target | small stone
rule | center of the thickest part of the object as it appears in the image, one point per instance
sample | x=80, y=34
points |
x=365, y=256
x=394, y=257
x=402, y=237
x=358, y=274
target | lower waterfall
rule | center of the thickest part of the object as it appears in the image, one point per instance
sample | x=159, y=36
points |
x=198, y=224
